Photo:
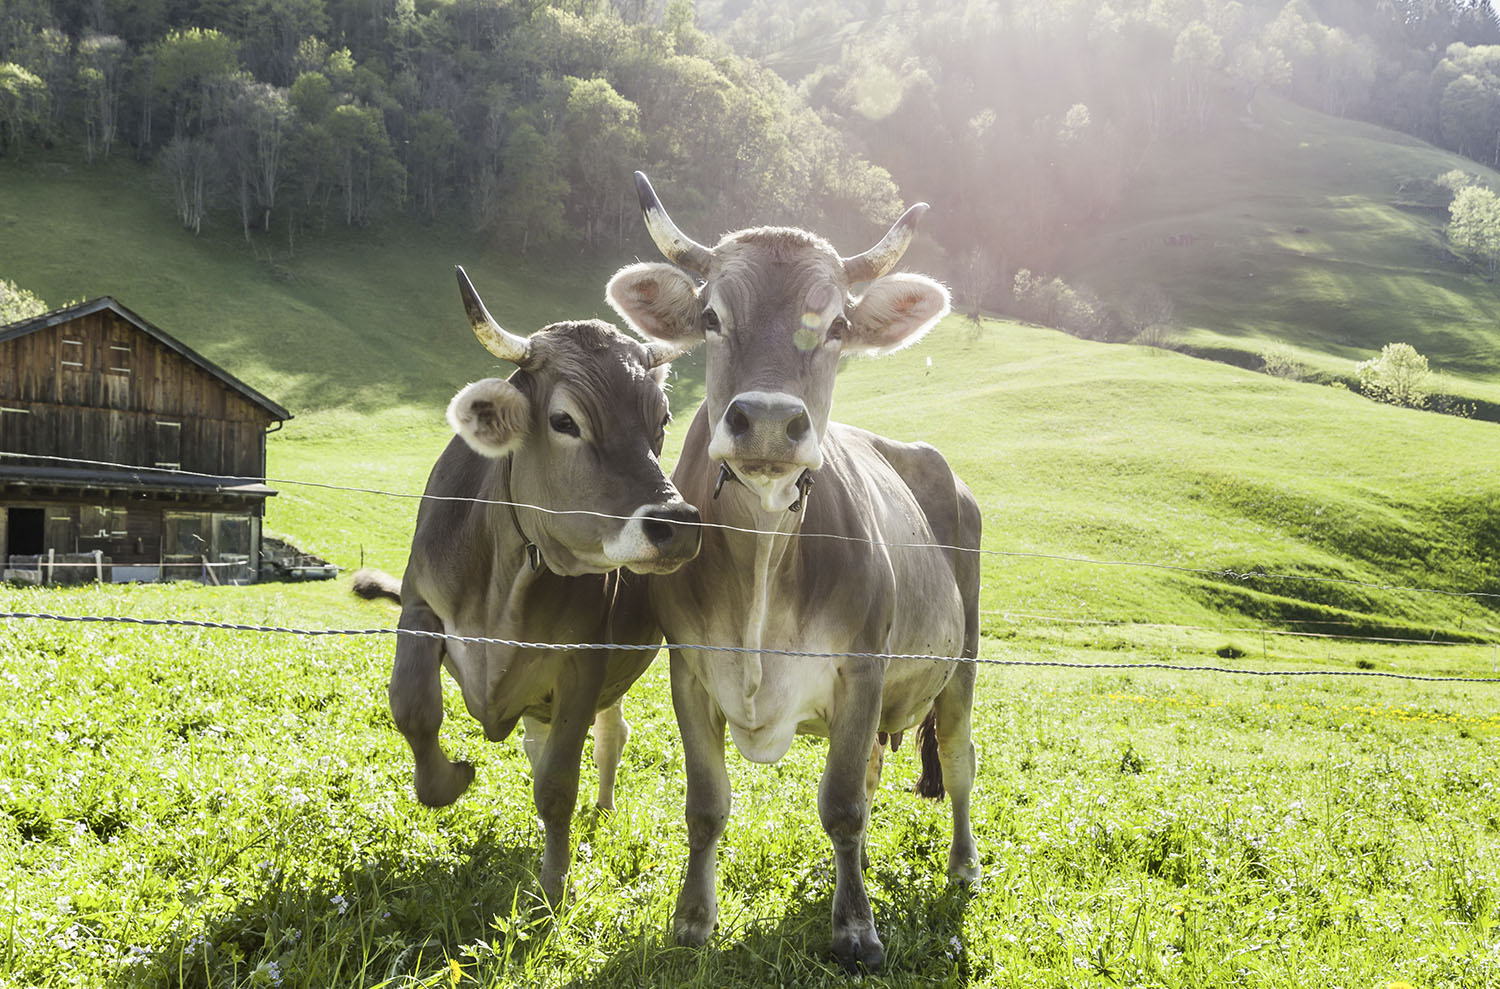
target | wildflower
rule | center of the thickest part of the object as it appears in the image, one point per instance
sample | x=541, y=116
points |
x=455, y=971
x=137, y=955
x=338, y=900
x=267, y=972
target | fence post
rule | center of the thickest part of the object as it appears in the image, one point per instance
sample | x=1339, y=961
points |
x=98, y=566
x=50, y=551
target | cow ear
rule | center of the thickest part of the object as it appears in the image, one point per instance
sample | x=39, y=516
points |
x=895, y=312
x=658, y=300
x=491, y=416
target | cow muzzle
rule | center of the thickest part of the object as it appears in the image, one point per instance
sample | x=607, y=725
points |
x=769, y=442
x=657, y=538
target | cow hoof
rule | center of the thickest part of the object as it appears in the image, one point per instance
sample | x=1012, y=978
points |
x=446, y=784
x=963, y=871
x=555, y=890
x=693, y=928
x=859, y=951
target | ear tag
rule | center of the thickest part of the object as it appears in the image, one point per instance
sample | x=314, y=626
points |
x=804, y=485
x=535, y=556
x=724, y=474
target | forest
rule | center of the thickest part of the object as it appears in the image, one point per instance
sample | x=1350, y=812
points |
x=1021, y=121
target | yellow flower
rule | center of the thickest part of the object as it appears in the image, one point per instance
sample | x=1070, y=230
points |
x=1399, y=985
x=456, y=973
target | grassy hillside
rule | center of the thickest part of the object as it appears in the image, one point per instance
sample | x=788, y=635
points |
x=1294, y=227
x=357, y=322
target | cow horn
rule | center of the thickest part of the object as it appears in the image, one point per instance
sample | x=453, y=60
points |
x=659, y=352
x=883, y=256
x=675, y=245
x=504, y=345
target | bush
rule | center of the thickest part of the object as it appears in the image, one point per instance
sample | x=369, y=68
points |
x=1053, y=302
x=1278, y=360
x=1398, y=376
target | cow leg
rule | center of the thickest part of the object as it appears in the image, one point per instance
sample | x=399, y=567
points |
x=955, y=708
x=611, y=732
x=416, y=697
x=843, y=809
x=701, y=725
x=555, y=783
x=872, y=783
x=534, y=742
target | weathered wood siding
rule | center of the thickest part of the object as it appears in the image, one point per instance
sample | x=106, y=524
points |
x=97, y=388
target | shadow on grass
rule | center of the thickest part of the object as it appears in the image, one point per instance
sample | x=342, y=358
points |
x=922, y=934
x=382, y=922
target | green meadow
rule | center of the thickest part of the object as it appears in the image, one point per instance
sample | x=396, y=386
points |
x=1321, y=234
x=197, y=807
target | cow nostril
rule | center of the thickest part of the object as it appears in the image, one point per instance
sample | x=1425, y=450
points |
x=659, y=531
x=736, y=419
x=797, y=427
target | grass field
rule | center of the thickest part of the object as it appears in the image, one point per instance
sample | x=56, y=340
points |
x=195, y=808
x=191, y=807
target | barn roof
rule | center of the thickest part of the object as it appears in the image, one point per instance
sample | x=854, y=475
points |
x=57, y=317
x=28, y=478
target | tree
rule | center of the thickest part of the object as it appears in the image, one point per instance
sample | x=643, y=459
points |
x=604, y=139
x=534, y=187
x=191, y=71
x=187, y=163
x=17, y=303
x=430, y=158
x=22, y=97
x=368, y=173
x=1474, y=223
x=1398, y=376
x=1197, y=53
x=252, y=142
x=101, y=71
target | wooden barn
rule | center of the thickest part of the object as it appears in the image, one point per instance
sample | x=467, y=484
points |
x=94, y=385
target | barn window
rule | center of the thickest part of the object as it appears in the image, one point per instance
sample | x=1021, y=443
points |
x=119, y=358
x=101, y=522
x=71, y=355
x=168, y=445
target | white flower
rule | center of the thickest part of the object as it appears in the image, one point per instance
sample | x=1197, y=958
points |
x=338, y=900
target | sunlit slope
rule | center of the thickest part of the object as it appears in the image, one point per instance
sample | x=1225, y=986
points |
x=1295, y=227
x=1127, y=454
x=359, y=322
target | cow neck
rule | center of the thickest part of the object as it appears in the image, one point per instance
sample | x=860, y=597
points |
x=533, y=552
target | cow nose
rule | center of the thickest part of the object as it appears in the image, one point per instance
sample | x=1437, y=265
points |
x=768, y=415
x=673, y=529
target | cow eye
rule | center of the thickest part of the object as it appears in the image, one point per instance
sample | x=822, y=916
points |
x=837, y=327
x=711, y=321
x=563, y=423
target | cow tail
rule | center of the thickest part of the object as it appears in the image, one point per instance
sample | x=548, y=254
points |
x=371, y=584
x=930, y=783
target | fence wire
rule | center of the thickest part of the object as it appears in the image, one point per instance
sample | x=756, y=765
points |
x=796, y=653
x=1224, y=573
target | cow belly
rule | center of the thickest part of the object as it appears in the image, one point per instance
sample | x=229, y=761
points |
x=767, y=699
x=499, y=684
x=766, y=742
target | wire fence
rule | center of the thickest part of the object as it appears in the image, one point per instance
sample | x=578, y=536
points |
x=1008, y=616
x=741, y=650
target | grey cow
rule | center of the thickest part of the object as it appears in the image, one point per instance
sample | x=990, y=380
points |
x=576, y=431
x=876, y=558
